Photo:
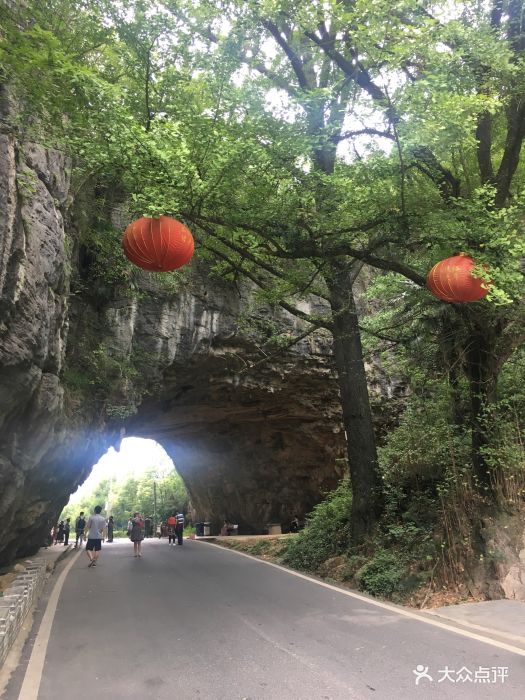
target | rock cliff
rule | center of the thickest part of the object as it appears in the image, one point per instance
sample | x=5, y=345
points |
x=256, y=439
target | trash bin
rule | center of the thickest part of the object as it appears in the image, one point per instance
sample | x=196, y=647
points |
x=199, y=529
x=207, y=529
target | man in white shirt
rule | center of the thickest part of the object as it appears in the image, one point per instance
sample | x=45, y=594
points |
x=95, y=532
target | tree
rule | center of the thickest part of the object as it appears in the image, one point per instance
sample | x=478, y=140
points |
x=449, y=99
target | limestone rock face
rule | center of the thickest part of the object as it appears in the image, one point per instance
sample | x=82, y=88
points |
x=501, y=572
x=255, y=441
x=41, y=457
x=506, y=544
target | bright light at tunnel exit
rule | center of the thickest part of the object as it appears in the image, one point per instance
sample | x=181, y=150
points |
x=136, y=455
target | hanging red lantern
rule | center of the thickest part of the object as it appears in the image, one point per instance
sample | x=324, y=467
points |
x=159, y=245
x=452, y=280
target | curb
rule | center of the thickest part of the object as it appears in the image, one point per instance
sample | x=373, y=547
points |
x=489, y=631
x=20, y=598
x=61, y=556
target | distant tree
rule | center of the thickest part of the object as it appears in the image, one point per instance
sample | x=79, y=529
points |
x=135, y=494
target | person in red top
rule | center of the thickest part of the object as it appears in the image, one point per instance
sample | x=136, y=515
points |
x=172, y=524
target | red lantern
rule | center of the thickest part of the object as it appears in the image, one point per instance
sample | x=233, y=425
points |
x=159, y=245
x=452, y=280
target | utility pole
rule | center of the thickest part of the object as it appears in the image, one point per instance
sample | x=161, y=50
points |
x=154, y=508
x=109, y=500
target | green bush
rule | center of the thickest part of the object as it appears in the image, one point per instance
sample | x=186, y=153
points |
x=260, y=547
x=382, y=575
x=424, y=443
x=118, y=534
x=327, y=532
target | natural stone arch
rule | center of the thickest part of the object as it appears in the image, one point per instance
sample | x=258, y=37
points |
x=252, y=452
x=254, y=441
x=264, y=437
x=253, y=449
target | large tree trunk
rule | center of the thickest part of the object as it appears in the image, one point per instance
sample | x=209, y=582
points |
x=482, y=376
x=357, y=415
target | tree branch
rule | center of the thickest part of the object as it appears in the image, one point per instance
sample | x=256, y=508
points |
x=355, y=72
x=380, y=263
x=310, y=250
x=294, y=59
x=448, y=184
x=318, y=322
x=217, y=221
x=290, y=344
x=247, y=255
x=363, y=132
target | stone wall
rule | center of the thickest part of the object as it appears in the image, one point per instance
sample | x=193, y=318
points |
x=18, y=600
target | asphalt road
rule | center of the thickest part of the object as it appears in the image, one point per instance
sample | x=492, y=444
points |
x=200, y=622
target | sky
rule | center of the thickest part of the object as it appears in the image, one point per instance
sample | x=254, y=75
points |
x=134, y=457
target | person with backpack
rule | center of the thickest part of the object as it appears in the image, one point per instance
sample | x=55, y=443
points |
x=80, y=526
x=179, y=528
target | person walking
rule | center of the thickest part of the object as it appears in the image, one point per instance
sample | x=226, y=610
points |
x=148, y=527
x=179, y=528
x=80, y=526
x=137, y=533
x=67, y=528
x=60, y=531
x=111, y=525
x=95, y=526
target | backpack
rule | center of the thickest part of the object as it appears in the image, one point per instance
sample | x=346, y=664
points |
x=80, y=523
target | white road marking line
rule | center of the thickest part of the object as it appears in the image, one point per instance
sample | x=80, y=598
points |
x=472, y=625
x=35, y=666
x=380, y=604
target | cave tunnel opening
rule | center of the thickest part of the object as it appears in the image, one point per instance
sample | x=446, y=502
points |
x=139, y=476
